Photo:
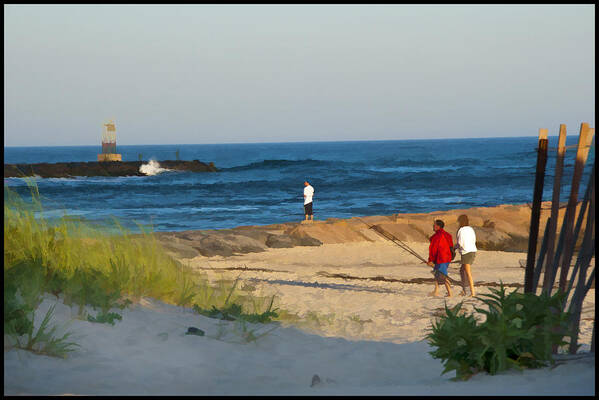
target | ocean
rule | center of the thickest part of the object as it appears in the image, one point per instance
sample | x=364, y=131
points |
x=262, y=183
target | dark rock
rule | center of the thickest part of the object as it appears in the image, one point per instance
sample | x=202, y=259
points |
x=279, y=241
x=315, y=380
x=194, y=331
x=94, y=168
x=214, y=246
x=180, y=249
x=255, y=234
x=226, y=245
x=304, y=240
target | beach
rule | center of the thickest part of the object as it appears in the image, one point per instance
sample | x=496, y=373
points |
x=364, y=308
x=266, y=200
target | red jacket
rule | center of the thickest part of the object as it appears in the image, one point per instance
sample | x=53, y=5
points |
x=439, y=251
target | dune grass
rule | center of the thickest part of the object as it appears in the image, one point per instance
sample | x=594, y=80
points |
x=92, y=265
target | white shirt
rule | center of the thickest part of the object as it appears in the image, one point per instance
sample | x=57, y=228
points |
x=466, y=240
x=308, y=192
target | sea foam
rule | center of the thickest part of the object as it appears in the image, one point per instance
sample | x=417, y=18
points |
x=152, y=168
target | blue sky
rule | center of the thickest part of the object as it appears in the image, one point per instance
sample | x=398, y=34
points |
x=267, y=73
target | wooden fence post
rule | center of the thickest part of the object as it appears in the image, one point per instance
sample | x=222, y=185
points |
x=584, y=142
x=559, y=167
x=536, y=210
x=560, y=243
x=588, y=202
x=584, y=259
x=539, y=265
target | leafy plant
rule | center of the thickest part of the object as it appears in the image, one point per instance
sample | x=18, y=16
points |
x=519, y=332
x=23, y=287
x=16, y=321
x=187, y=292
x=105, y=318
x=43, y=341
x=249, y=335
x=232, y=312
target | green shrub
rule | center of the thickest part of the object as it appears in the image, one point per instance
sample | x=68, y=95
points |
x=105, y=318
x=234, y=311
x=44, y=340
x=519, y=332
x=16, y=312
x=23, y=288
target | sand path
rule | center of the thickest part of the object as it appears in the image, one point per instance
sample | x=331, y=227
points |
x=331, y=281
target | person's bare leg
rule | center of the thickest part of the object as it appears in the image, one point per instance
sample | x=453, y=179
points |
x=435, y=292
x=463, y=277
x=306, y=217
x=470, y=281
x=448, y=287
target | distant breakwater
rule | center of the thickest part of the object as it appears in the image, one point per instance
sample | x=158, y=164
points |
x=94, y=168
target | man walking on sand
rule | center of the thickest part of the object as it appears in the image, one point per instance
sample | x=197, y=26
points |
x=308, y=193
x=466, y=245
x=439, y=256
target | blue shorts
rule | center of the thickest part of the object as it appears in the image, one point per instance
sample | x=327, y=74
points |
x=442, y=268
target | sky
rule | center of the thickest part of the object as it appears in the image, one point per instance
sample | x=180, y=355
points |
x=286, y=73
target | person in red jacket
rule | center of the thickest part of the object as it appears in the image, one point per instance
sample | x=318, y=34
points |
x=439, y=256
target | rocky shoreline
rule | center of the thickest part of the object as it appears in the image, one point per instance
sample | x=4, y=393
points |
x=94, y=168
x=500, y=228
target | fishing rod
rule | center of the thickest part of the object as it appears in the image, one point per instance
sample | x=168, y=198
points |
x=397, y=241
x=394, y=239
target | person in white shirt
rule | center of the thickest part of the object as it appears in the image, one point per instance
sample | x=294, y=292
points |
x=466, y=245
x=308, y=193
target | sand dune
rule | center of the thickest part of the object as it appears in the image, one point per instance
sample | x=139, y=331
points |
x=365, y=309
x=148, y=353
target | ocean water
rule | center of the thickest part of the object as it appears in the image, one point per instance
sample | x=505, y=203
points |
x=262, y=183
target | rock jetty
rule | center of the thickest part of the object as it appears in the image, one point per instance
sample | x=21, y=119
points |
x=500, y=228
x=94, y=168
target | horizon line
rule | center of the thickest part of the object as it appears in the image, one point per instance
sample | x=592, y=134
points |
x=292, y=141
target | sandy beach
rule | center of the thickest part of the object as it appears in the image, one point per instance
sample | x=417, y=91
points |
x=364, y=309
x=243, y=201
x=369, y=291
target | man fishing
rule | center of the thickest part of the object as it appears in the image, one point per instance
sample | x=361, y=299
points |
x=308, y=193
x=439, y=256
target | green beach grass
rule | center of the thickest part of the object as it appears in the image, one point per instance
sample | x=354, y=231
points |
x=92, y=265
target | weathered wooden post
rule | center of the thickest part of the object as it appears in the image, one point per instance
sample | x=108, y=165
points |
x=559, y=167
x=560, y=243
x=587, y=203
x=584, y=142
x=539, y=264
x=587, y=251
x=536, y=211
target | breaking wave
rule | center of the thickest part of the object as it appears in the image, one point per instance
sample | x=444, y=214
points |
x=152, y=168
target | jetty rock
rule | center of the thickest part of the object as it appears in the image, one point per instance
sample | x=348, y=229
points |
x=498, y=228
x=95, y=168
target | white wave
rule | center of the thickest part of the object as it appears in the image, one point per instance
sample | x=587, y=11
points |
x=240, y=208
x=411, y=169
x=152, y=168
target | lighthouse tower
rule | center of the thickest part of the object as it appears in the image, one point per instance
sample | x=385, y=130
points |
x=109, y=143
